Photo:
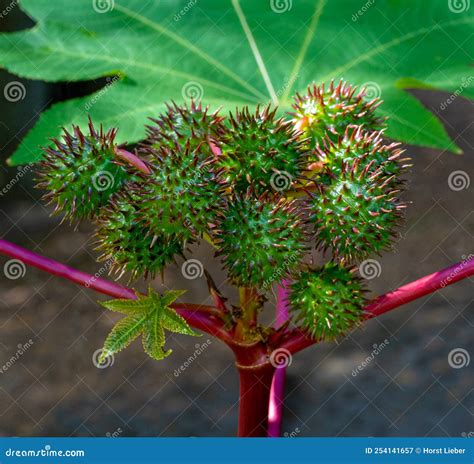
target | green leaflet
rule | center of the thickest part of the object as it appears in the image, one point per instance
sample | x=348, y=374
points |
x=239, y=52
x=124, y=332
x=147, y=316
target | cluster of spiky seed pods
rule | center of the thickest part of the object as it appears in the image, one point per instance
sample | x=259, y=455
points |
x=264, y=190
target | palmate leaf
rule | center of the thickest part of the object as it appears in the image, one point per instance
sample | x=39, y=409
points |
x=123, y=333
x=148, y=316
x=240, y=52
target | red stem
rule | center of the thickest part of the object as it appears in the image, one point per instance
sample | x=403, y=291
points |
x=297, y=340
x=277, y=392
x=282, y=313
x=421, y=287
x=255, y=385
x=256, y=373
x=195, y=315
x=294, y=341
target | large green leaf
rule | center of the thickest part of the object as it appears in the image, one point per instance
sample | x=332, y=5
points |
x=232, y=52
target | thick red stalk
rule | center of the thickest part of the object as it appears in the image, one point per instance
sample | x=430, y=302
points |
x=255, y=375
x=255, y=385
x=195, y=315
x=277, y=392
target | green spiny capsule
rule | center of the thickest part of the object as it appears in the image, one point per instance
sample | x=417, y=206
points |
x=261, y=152
x=182, y=125
x=182, y=194
x=356, y=214
x=365, y=148
x=127, y=243
x=260, y=240
x=327, y=301
x=329, y=111
x=81, y=172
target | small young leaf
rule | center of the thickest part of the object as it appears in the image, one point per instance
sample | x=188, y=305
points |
x=154, y=339
x=149, y=316
x=167, y=298
x=124, y=332
x=173, y=322
x=125, y=306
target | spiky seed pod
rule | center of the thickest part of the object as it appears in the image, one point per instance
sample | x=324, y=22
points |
x=330, y=110
x=367, y=148
x=81, y=172
x=127, y=245
x=182, y=194
x=260, y=240
x=327, y=301
x=356, y=214
x=181, y=125
x=261, y=152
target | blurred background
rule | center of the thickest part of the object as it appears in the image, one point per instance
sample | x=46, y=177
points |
x=409, y=388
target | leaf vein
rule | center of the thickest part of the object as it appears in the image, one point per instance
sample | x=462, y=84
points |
x=385, y=46
x=256, y=52
x=186, y=44
x=304, y=48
